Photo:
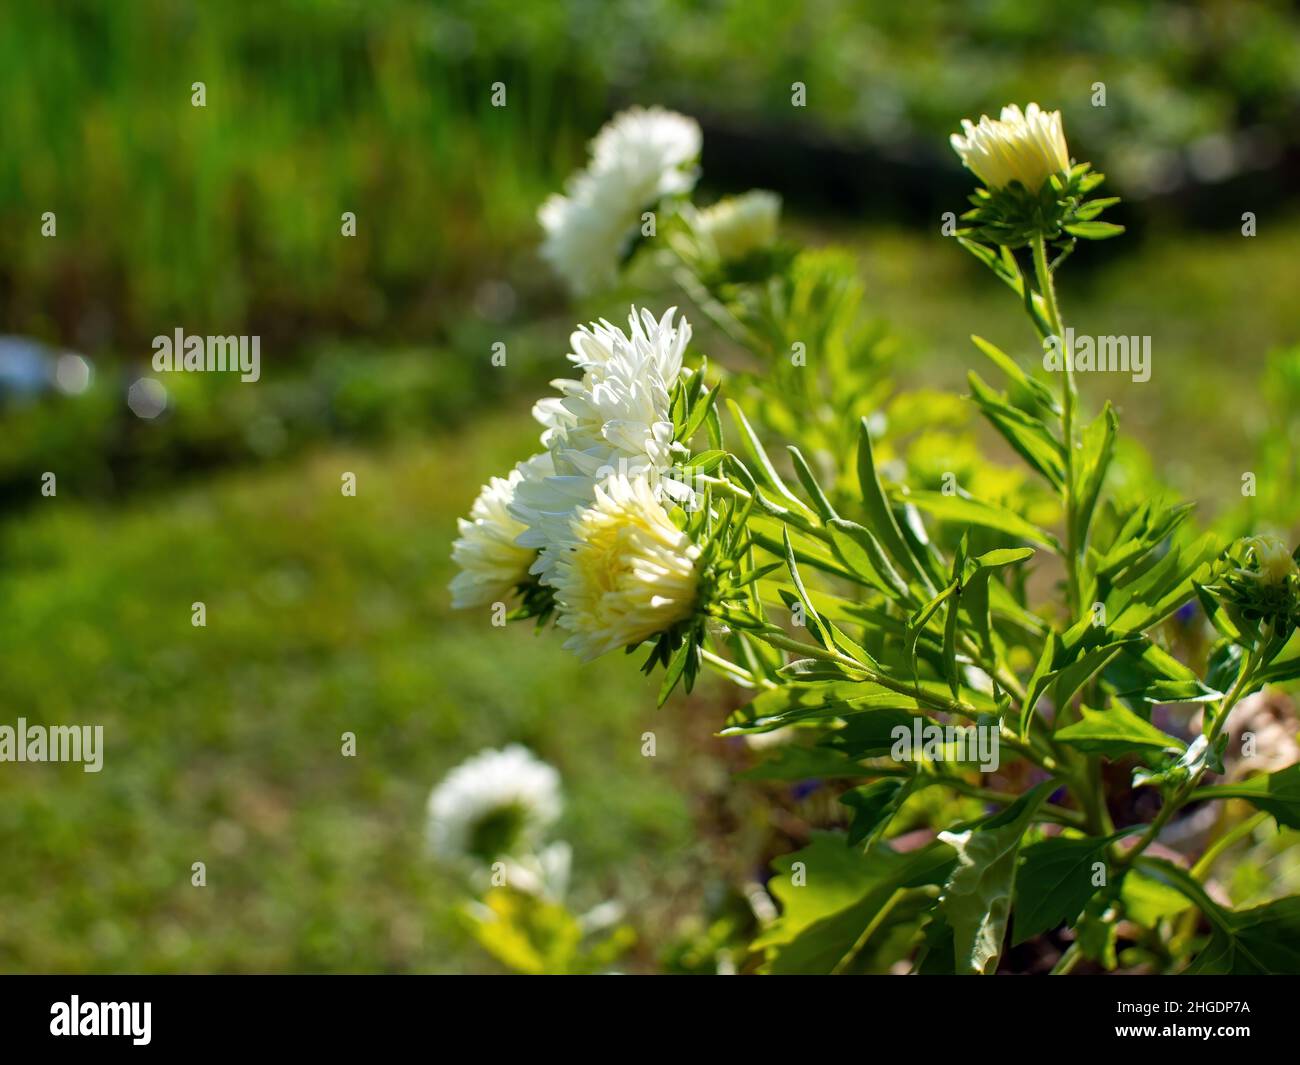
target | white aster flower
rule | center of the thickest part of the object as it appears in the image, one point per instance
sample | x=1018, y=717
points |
x=638, y=158
x=616, y=419
x=627, y=572
x=497, y=803
x=737, y=225
x=491, y=563
x=1028, y=147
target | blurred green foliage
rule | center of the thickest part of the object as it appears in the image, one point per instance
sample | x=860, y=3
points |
x=208, y=217
x=325, y=614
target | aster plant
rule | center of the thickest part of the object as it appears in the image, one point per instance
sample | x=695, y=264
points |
x=488, y=820
x=772, y=518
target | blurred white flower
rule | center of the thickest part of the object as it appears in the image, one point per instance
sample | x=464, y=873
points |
x=638, y=158
x=616, y=419
x=545, y=873
x=491, y=563
x=1028, y=147
x=737, y=225
x=627, y=572
x=497, y=803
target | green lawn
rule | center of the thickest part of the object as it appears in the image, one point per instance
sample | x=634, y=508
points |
x=325, y=614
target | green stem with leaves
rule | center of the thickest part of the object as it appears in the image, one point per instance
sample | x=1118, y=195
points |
x=1245, y=677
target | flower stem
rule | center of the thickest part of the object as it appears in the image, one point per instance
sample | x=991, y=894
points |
x=1072, y=956
x=1069, y=401
x=1202, y=868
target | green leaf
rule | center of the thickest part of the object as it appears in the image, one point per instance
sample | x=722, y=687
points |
x=1094, y=230
x=880, y=516
x=870, y=735
x=977, y=897
x=874, y=804
x=1135, y=605
x=1263, y=941
x=1147, y=902
x=1115, y=731
x=1276, y=793
x=1218, y=614
x=1097, y=931
x=804, y=763
x=862, y=553
x=1150, y=674
x=809, y=481
x=830, y=893
x=1090, y=471
x=812, y=618
x=700, y=412
x=975, y=599
x=964, y=510
x=1055, y=882
x=1038, y=392
x=1069, y=678
x=676, y=667
x=793, y=703
x=1026, y=434
x=1039, y=680
x=950, y=621
x=769, y=475
x=1199, y=757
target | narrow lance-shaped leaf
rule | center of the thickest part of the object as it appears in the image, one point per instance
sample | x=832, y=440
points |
x=879, y=514
x=809, y=481
x=759, y=454
x=1276, y=793
x=964, y=510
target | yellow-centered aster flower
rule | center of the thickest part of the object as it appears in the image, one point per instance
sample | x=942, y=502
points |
x=1027, y=146
x=492, y=565
x=627, y=574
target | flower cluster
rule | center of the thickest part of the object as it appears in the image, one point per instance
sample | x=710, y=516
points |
x=588, y=519
x=640, y=158
x=488, y=819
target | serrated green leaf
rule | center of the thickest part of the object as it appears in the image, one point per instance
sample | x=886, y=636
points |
x=977, y=897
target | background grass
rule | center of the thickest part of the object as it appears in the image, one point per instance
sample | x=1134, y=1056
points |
x=325, y=614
